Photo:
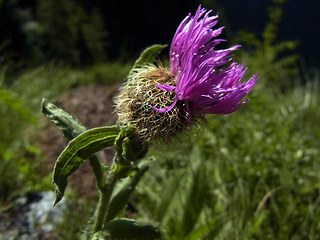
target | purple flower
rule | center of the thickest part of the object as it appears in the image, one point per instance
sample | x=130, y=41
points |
x=161, y=102
x=194, y=62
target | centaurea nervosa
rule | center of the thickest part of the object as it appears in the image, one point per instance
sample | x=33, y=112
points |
x=194, y=62
x=161, y=102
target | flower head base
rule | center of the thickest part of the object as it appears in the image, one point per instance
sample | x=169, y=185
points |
x=139, y=94
x=164, y=101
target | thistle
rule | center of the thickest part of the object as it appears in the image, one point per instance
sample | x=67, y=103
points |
x=161, y=102
x=155, y=103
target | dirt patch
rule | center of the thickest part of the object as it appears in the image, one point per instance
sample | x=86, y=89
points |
x=93, y=106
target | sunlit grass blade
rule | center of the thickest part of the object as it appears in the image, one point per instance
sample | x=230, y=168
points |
x=8, y=98
x=168, y=198
x=196, y=194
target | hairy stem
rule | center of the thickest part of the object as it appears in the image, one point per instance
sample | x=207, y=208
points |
x=104, y=200
x=98, y=171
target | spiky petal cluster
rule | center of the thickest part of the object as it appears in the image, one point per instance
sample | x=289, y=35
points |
x=162, y=102
x=195, y=63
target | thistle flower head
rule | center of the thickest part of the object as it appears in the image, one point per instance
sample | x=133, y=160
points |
x=138, y=96
x=161, y=102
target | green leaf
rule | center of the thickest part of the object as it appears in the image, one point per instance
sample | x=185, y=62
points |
x=9, y=99
x=210, y=229
x=148, y=55
x=167, y=198
x=68, y=124
x=127, y=229
x=196, y=195
x=79, y=149
x=121, y=197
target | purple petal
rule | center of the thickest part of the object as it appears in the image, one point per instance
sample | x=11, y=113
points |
x=197, y=65
x=166, y=88
x=166, y=109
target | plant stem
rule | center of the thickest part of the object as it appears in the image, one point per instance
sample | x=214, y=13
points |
x=98, y=171
x=104, y=200
x=105, y=186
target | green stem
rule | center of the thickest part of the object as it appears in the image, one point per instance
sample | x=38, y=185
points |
x=104, y=200
x=98, y=171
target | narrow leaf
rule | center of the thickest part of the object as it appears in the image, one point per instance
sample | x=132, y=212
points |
x=79, y=149
x=208, y=230
x=121, y=197
x=167, y=198
x=68, y=124
x=148, y=55
x=129, y=230
x=196, y=194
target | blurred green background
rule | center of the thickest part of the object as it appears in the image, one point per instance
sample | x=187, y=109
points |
x=253, y=174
